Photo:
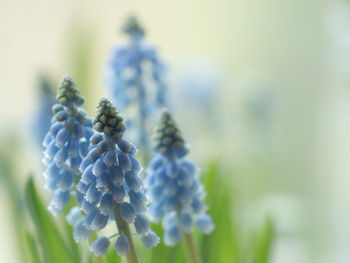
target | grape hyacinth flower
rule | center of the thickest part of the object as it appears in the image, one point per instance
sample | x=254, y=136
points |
x=111, y=187
x=135, y=78
x=43, y=114
x=65, y=144
x=173, y=187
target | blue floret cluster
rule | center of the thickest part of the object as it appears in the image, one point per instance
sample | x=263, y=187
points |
x=65, y=144
x=173, y=186
x=110, y=186
x=135, y=78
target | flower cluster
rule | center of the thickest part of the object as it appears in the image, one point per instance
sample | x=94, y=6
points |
x=132, y=72
x=65, y=144
x=110, y=186
x=174, y=188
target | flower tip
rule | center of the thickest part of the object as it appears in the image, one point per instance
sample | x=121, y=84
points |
x=67, y=92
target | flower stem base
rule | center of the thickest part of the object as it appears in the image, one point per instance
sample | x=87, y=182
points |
x=192, y=252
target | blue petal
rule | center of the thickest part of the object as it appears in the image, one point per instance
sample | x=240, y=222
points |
x=74, y=216
x=66, y=180
x=185, y=195
x=75, y=163
x=124, y=146
x=169, y=220
x=86, y=206
x=87, y=176
x=92, y=194
x=122, y=245
x=172, y=169
x=204, y=224
x=124, y=161
x=51, y=171
x=73, y=148
x=155, y=212
x=127, y=212
x=118, y=193
x=171, y=236
x=100, y=246
x=85, y=163
x=47, y=140
x=81, y=233
x=81, y=187
x=102, y=146
x=59, y=202
x=89, y=217
x=110, y=158
x=185, y=222
x=95, y=139
x=99, y=167
x=88, y=132
x=198, y=206
x=55, y=128
x=170, y=187
x=51, y=150
x=137, y=200
x=136, y=168
x=169, y=204
x=106, y=204
x=150, y=240
x=79, y=130
x=99, y=222
x=84, y=148
x=185, y=178
x=103, y=182
x=132, y=181
x=93, y=155
x=117, y=176
x=60, y=157
x=141, y=225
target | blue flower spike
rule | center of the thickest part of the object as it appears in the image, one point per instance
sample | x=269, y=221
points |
x=174, y=188
x=135, y=79
x=65, y=144
x=110, y=186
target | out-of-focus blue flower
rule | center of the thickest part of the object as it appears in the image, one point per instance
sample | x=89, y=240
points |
x=173, y=186
x=135, y=78
x=43, y=114
x=65, y=144
x=109, y=183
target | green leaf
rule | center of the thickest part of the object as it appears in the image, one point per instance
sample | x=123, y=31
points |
x=50, y=239
x=222, y=245
x=33, y=249
x=263, y=246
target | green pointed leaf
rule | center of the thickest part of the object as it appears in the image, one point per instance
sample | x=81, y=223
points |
x=33, y=249
x=263, y=246
x=49, y=237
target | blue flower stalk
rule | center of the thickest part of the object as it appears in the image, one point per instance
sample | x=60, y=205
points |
x=174, y=189
x=65, y=145
x=111, y=188
x=135, y=78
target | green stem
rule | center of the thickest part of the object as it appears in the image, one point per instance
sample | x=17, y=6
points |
x=123, y=228
x=100, y=259
x=192, y=251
